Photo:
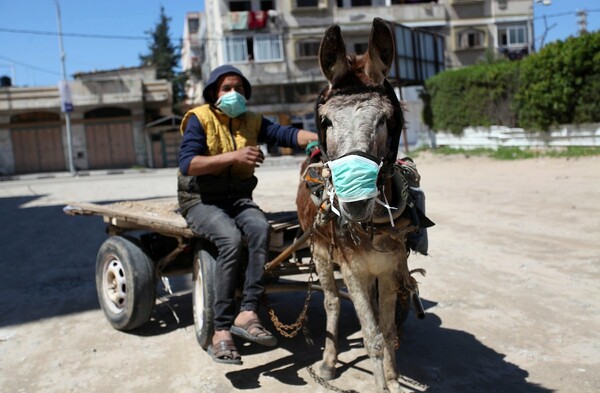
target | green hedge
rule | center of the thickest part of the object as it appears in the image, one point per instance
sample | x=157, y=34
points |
x=561, y=84
x=558, y=85
x=480, y=95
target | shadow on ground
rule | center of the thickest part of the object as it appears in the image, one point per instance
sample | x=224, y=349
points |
x=48, y=261
x=48, y=265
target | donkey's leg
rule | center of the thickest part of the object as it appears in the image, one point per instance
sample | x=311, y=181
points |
x=331, y=302
x=387, y=323
x=359, y=288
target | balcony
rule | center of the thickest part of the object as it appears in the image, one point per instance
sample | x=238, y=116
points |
x=249, y=20
x=417, y=14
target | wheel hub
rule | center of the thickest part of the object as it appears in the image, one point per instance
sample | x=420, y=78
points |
x=115, y=286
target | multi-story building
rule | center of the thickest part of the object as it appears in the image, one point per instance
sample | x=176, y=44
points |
x=192, y=53
x=275, y=42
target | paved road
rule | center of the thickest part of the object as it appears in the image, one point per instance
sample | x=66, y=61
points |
x=512, y=291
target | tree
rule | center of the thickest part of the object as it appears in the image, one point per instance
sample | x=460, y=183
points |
x=560, y=84
x=165, y=57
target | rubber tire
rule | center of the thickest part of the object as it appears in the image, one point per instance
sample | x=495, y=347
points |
x=203, y=294
x=122, y=262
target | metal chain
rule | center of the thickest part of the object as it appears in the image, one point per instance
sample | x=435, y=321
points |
x=326, y=384
x=293, y=329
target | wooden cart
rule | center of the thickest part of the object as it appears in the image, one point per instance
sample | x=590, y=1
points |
x=149, y=240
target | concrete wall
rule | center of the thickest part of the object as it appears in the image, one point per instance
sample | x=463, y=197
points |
x=499, y=136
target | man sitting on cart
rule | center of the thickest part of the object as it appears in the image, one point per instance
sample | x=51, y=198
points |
x=217, y=159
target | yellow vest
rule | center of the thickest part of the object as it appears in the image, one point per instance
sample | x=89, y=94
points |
x=224, y=134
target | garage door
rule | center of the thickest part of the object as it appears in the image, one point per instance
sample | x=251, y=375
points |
x=38, y=149
x=110, y=145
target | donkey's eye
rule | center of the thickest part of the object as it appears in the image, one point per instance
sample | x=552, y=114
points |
x=325, y=123
x=381, y=122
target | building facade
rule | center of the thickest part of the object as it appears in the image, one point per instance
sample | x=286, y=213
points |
x=275, y=42
x=108, y=122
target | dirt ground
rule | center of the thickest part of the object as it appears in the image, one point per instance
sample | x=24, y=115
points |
x=512, y=290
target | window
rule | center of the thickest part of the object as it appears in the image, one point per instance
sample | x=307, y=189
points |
x=266, y=95
x=359, y=3
x=268, y=47
x=302, y=92
x=236, y=49
x=512, y=36
x=405, y=56
x=262, y=48
x=308, y=49
x=193, y=25
x=266, y=5
x=240, y=5
x=306, y=122
x=471, y=39
x=307, y=3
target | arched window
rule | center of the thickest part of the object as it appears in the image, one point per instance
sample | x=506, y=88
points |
x=471, y=38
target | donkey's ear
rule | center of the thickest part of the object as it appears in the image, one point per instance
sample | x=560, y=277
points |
x=332, y=55
x=380, y=52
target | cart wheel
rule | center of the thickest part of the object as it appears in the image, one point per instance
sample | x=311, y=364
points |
x=125, y=283
x=203, y=295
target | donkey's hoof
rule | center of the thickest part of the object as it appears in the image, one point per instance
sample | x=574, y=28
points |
x=326, y=372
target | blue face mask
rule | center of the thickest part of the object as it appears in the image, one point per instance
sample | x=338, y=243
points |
x=233, y=104
x=354, y=177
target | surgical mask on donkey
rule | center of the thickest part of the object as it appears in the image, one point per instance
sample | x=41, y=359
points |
x=354, y=177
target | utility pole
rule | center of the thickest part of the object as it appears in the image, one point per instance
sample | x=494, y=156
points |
x=546, y=30
x=582, y=21
x=66, y=104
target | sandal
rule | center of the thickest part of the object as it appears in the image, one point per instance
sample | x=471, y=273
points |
x=262, y=337
x=224, y=352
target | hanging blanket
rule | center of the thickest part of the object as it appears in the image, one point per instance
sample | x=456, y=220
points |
x=237, y=20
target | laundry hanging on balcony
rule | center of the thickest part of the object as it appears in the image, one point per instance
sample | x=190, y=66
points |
x=257, y=19
x=237, y=20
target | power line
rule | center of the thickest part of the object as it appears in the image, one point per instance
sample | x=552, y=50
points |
x=565, y=13
x=29, y=65
x=80, y=35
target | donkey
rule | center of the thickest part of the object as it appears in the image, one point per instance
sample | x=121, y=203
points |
x=359, y=120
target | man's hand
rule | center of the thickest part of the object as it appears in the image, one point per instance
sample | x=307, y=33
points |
x=249, y=155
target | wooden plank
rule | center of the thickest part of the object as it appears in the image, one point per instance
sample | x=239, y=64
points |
x=160, y=215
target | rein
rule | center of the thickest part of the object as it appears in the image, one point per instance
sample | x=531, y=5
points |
x=318, y=178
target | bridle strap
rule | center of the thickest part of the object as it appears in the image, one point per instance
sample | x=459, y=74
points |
x=395, y=129
x=322, y=138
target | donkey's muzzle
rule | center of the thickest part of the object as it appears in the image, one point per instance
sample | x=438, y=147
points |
x=358, y=211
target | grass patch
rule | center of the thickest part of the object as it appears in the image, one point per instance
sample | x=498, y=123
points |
x=575, y=151
x=514, y=153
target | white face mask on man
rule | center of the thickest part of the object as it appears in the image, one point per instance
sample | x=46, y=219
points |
x=233, y=104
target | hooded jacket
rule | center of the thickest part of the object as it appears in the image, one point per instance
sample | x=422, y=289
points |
x=225, y=134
